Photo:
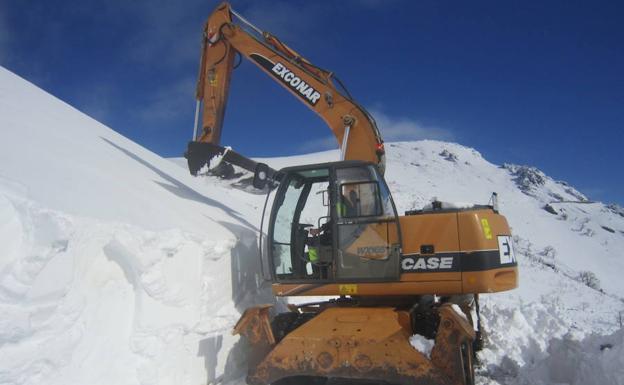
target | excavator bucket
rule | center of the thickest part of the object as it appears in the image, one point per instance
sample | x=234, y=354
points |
x=356, y=343
x=199, y=154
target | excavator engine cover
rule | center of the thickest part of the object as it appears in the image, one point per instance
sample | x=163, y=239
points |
x=371, y=343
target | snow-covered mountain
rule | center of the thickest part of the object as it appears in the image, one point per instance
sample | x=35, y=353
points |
x=119, y=267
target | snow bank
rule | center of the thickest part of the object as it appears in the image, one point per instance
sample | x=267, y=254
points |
x=116, y=266
x=67, y=161
x=113, y=303
x=596, y=360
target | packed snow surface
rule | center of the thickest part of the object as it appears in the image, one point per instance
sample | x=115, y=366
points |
x=117, y=267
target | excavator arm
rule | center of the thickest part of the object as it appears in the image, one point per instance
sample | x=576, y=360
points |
x=224, y=39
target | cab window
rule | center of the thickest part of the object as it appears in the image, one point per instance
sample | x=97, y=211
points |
x=368, y=244
x=359, y=200
x=301, y=242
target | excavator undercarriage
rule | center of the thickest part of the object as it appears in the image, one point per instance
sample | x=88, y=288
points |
x=343, y=340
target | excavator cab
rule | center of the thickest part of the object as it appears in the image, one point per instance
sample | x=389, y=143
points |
x=333, y=222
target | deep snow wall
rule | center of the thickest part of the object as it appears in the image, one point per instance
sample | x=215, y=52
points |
x=114, y=267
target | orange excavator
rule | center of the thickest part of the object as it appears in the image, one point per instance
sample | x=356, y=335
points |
x=333, y=230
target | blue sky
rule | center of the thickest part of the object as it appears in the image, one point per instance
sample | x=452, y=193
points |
x=528, y=82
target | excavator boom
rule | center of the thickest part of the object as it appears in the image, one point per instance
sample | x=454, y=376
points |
x=223, y=39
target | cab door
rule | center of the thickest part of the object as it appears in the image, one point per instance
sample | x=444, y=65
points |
x=367, y=229
x=297, y=230
x=282, y=229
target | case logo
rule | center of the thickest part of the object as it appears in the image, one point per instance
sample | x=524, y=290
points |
x=426, y=263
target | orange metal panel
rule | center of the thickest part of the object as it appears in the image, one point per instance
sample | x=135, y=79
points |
x=360, y=343
x=439, y=230
x=373, y=289
x=424, y=277
x=490, y=281
x=478, y=230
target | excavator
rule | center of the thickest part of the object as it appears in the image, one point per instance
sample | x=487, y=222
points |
x=333, y=230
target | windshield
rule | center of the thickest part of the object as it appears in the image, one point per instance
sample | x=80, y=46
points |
x=303, y=209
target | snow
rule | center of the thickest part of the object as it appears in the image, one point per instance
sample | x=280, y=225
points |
x=447, y=205
x=594, y=360
x=119, y=267
x=422, y=344
x=115, y=268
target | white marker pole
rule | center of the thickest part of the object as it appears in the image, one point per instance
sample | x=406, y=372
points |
x=345, y=138
x=196, y=120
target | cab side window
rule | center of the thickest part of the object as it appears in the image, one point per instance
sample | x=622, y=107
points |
x=359, y=200
x=367, y=238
